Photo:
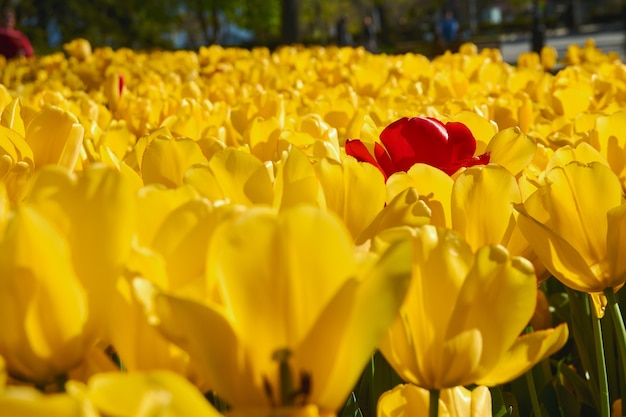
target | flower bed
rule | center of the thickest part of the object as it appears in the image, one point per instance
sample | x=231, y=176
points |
x=313, y=231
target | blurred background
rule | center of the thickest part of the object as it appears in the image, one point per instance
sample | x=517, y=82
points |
x=398, y=25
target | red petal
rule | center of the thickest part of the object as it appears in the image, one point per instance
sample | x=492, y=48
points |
x=356, y=149
x=416, y=139
x=461, y=141
x=384, y=161
x=121, y=85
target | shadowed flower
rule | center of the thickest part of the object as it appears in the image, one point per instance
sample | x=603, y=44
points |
x=408, y=141
x=410, y=400
x=576, y=224
x=443, y=338
x=301, y=316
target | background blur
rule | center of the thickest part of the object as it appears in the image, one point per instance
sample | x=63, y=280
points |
x=400, y=25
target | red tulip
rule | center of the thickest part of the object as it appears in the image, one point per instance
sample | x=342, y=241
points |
x=408, y=141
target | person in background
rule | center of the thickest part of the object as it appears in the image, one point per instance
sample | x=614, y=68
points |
x=369, y=35
x=13, y=43
x=448, y=27
x=344, y=38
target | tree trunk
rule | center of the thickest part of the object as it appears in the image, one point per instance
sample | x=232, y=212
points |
x=290, y=20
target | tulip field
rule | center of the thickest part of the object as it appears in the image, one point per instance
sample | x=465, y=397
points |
x=312, y=231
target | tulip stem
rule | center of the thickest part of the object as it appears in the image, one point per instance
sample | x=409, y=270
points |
x=605, y=409
x=532, y=390
x=620, y=332
x=433, y=406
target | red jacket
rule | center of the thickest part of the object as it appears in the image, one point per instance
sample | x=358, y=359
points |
x=14, y=43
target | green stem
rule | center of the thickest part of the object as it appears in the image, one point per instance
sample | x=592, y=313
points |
x=433, y=406
x=620, y=335
x=532, y=390
x=605, y=409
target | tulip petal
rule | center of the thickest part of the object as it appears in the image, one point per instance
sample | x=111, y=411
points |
x=558, y=255
x=482, y=205
x=147, y=394
x=296, y=182
x=508, y=286
x=42, y=304
x=403, y=400
x=434, y=187
x=356, y=149
x=356, y=319
x=615, y=244
x=441, y=261
x=405, y=210
x=278, y=272
x=224, y=365
x=417, y=139
x=166, y=159
x=528, y=350
x=411, y=400
x=579, y=198
x=355, y=191
x=51, y=134
x=25, y=401
x=512, y=149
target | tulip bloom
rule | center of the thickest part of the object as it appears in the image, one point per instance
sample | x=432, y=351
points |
x=408, y=141
x=576, y=224
x=300, y=316
x=409, y=400
x=444, y=338
x=161, y=393
x=60, y=254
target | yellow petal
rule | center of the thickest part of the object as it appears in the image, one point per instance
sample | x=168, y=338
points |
x=482, y=205
x=355, y=191
x=55, y=137
x=165, y=160
x=12, y=119
x=512, y=149
x=434, y=187
x=296, y=182
x=155, y=204
x=615, y=244
x=559, y=257
x=579, y=196
x=425, y=314
x=278, y=272
x=410, y=400
x=183, y=239
x=225, y=365
x=234, y=175
x=147, y=394
x=583, y=152
x=351, y=326
x=140, y=346
x=26, y=401
x=403, y=400
x=43, y=309
x=482, y=128
x=405, y=209
x=508, y=286
x=528, y=350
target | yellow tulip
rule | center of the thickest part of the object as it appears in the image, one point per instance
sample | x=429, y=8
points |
x=354, y=191
x=62, y=251
x=134, y=394
x=55, y=137
x=22, y=401
x=300, y=316
x=232, y=175
x=166, y=160
x=443, y=338
x=576, y=223
x=410, y=400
